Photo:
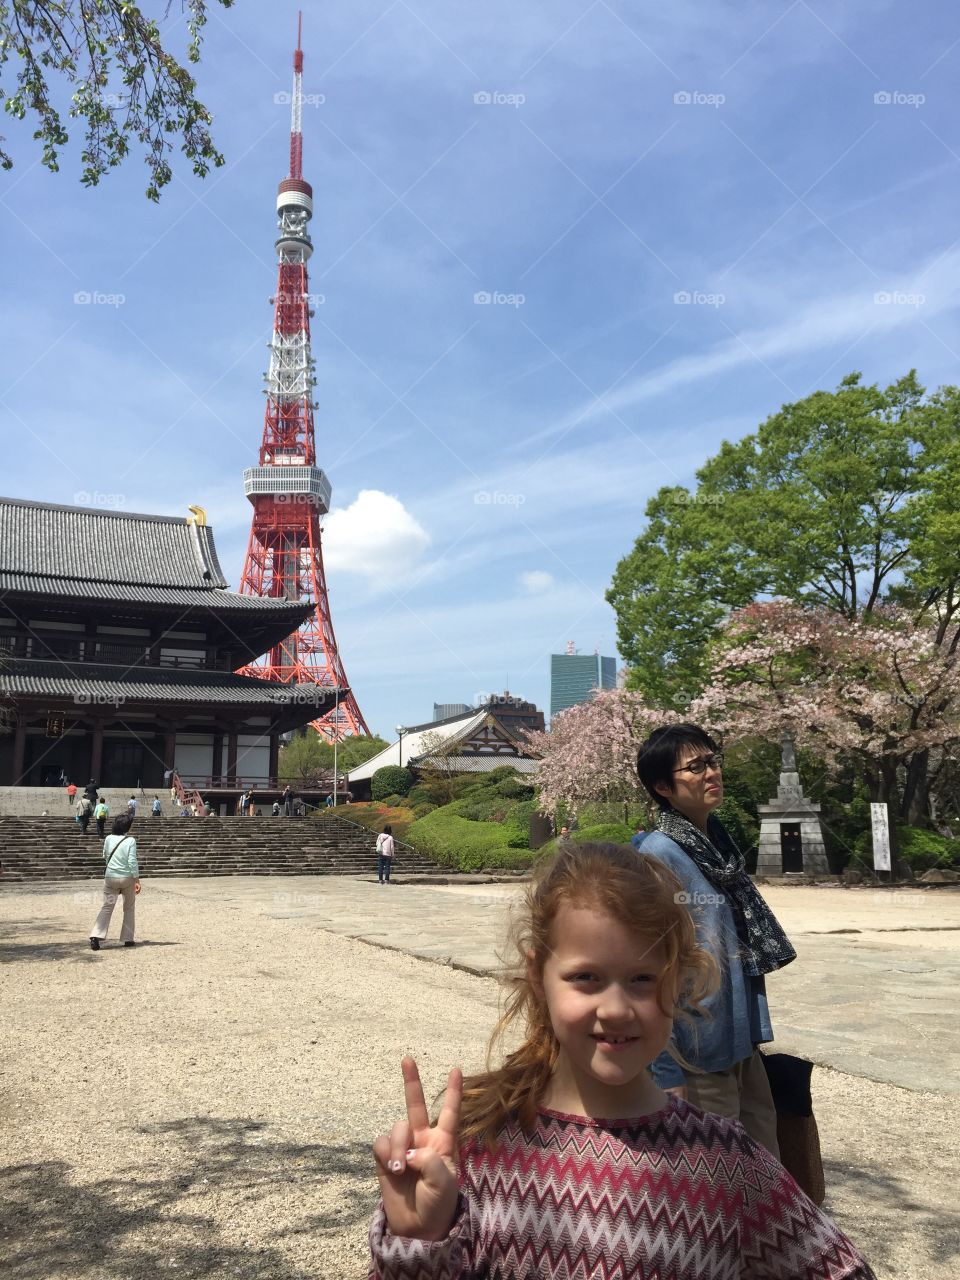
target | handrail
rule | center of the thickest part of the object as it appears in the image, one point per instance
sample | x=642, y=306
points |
x=189, y=797
x=324, y=811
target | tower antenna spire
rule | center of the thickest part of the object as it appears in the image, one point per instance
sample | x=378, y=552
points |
x=296, y=107
x=288, y=490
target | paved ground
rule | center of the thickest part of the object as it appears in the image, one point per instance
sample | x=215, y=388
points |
x=203, y=1104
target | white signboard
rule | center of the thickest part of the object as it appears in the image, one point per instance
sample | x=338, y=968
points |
x=881, y=837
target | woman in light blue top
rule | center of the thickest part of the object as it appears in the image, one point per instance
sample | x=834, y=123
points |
x=122, y=877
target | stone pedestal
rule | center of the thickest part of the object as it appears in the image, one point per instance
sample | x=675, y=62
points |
x=780, y=820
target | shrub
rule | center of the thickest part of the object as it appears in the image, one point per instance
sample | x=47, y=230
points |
x=514, y=789
x=457, y=842
x=391, y=780
x=922, y=849
x=371, y=816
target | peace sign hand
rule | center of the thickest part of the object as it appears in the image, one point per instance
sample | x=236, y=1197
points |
x=417, y=1165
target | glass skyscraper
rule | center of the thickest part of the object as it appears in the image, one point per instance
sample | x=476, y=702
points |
x=575, y=677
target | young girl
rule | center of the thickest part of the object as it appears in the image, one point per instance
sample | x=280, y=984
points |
x=567, y=1162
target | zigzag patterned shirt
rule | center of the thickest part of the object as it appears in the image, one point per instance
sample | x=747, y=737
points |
x=676, y=1195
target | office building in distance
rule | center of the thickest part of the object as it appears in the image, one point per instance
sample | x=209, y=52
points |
x=575, y=677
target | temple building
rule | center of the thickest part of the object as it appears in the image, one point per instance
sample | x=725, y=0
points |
x=118, y=646
x=479, y=740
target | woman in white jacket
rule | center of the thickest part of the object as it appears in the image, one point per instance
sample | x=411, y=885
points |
x=122, y=877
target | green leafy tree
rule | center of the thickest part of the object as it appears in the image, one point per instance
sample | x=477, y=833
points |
x=391, y=780
x=843, y=500
x=125, y=86
x=307, y=756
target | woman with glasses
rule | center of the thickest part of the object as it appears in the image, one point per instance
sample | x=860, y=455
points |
x=680, y=766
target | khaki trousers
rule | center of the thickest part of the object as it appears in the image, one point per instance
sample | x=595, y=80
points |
x=741, y=1093
x=114, y=888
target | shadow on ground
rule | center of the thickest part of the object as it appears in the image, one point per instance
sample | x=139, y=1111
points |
x=896, y=1213
x=64, y=943
x=224, y=1172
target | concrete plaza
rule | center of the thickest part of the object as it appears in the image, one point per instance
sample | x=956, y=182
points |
x=203, y=1105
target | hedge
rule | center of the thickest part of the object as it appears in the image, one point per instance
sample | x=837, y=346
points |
x=457, y=842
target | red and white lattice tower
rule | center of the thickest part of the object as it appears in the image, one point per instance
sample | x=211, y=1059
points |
x=288, y=490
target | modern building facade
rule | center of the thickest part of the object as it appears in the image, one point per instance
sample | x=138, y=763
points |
x=118, y=648
x=444, y=710
x=576, y=677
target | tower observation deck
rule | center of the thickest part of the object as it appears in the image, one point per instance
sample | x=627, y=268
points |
x=289, y=492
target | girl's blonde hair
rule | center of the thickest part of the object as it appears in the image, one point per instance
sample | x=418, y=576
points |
x=637, y=891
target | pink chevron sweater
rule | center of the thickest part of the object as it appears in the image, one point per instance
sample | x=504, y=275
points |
x=677, y=1195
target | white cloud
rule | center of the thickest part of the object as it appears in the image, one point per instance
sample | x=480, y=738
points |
x=537, y=581
x=375, y=536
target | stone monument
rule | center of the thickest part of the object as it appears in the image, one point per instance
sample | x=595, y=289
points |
x=791, y=840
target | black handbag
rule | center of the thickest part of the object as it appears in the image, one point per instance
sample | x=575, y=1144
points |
x=797, y=1132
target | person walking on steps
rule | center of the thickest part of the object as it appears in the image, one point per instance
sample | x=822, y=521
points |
x=121, y=879
x=101, y=813
x=71, y=793
x=156, y=808
x=287, y=799
x=385, y=851
x=84, y=812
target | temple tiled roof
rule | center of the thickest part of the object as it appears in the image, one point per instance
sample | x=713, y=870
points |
x=137, y=563
x=180, y=597
x=48, y=541
x=88, y=684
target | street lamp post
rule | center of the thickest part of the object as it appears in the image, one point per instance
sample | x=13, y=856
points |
x=336, y=739
x=401, y=731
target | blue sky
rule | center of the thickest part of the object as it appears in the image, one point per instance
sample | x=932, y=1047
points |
x=687, y=216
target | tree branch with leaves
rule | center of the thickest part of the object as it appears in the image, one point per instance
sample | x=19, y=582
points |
x=125, y=85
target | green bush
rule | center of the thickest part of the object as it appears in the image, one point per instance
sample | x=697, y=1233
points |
x=457, y=842
x=421, y=810
x=391, y=780
x=922, y=849
x=514, y=788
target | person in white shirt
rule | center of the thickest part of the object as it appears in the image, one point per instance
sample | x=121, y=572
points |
x=385, y=851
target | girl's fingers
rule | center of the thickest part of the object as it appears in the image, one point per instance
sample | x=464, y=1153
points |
x=448, y=1120
x=413, y=1093
x=401, y=1140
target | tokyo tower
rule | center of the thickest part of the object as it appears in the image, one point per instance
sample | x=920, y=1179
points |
x=288, y=490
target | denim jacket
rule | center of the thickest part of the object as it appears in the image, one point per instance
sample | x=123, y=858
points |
x=740, y=1018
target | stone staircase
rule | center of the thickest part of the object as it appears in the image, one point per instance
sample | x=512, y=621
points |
x=54, y=848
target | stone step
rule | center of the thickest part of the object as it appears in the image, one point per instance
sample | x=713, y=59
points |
x=38, y=848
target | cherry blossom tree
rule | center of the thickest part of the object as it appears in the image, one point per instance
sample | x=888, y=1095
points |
x=882, y=692
x=590, y=752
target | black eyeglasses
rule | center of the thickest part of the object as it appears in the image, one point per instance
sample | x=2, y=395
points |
x=701, y=765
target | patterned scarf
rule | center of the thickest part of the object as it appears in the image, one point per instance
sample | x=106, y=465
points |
x=764, y=945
